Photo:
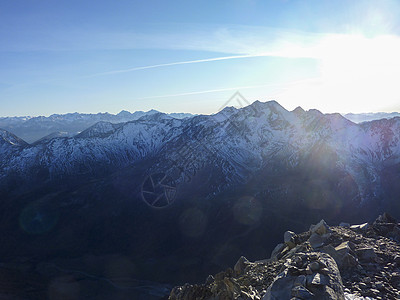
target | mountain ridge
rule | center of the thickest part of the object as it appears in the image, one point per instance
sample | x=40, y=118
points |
x=243, y=140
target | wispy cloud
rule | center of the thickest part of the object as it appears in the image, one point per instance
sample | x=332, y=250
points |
x=209, y=91
x=174, y=64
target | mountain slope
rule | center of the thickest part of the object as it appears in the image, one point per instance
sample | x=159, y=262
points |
x=32, y=129
x=233, y=180
x=231, y=147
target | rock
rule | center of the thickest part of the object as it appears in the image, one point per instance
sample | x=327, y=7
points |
x=281, y=287
x=318, y=286
x=346, y=225
x=366, y=254
x=288, y=238
x=386, y=218
x=342, y=254
x=321, y=228
x=316, y=240
x=397, y=259
x=360, y=227
x=367, y=280
x=302, y=293
x=241, y=264
x=369, y=264
x=277, y=250
x=394, y=234
x=319, y=234
x=300, y=280
x=317, y=279
x=314, y=266
x=209, y=279
x=379, y=285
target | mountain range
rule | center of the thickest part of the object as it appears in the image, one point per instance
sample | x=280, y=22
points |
x=32, y=129
x=197, y=192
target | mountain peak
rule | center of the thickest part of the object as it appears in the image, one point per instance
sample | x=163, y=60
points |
x=298, y=111
x=124, y=113
x=100, y=129
x=7, y=137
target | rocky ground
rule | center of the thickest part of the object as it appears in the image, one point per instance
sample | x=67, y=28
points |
x=340, y=262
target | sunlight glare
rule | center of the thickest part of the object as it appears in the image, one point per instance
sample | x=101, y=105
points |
x=356, y=74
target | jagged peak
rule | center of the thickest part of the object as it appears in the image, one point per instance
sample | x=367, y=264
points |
x=298, y=111
x=100, y=129
x=337, y=117
x=272, y=105
x=124, y=113
x=7, y=137
x=315, y=112
x=155, y=116
x=225, y=113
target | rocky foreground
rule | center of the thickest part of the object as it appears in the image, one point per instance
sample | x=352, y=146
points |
x=339, y=262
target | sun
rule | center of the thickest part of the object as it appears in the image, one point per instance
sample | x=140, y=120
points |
x=355, y=74
x=361, y=70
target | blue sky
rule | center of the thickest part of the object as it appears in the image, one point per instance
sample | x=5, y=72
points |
x=191, y=56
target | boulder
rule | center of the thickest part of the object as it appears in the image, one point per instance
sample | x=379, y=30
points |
x=321, y=228
x=317, y=241
x=385, y=218
x=319, y=234
x=288, y=238
x=342, y=254
x=294, y=282
x=241, y=264
x=276, y=253
x=366, y=254
x=302, y=293
x=360, y=227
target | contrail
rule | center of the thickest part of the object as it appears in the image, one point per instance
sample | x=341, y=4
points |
x=181, y=63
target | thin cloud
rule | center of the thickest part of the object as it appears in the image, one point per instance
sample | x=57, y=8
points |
x=208, y=91
x=180, y=63
x=265, y=54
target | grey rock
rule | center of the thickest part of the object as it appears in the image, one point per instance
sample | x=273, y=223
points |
x=317, y=279
x=240, y=265
x=318, y=286
x=315, y=266
x=288, y=238
x=397, y=259
x=360, y=227
x=210, y=279
x=366, y=254
x=342, y=254
x=302, y=293
x=385, y=218
x=300, y=280
x=321, y=228
x=281, y=287
x=343, y=224
x=277, y=250
x=316, y=240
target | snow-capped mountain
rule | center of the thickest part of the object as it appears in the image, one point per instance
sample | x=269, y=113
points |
x=232, y=147
x=32, y=129
x=235, y=179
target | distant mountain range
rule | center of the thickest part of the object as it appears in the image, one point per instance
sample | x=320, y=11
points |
x=196, y=192
x=32, y=129
x=366, y=117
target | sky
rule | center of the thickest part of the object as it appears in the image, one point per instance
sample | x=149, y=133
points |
x=191, y=56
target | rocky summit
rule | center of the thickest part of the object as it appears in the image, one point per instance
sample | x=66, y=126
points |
x=345, y=262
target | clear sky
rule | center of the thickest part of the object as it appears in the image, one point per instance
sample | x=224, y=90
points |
x=191, y=56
